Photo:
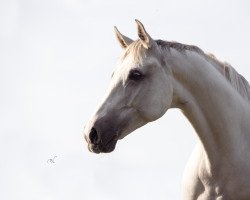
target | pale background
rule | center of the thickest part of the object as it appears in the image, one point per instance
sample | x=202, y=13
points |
x=56, y=58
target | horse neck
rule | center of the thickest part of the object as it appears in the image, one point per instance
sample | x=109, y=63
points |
x=210, y=103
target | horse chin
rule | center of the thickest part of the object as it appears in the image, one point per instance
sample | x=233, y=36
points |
x=100, y=148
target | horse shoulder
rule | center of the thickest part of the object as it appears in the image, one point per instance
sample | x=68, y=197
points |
x=192, y=186
x=199, y=184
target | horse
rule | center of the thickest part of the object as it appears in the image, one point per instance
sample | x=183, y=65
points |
x=153, y=76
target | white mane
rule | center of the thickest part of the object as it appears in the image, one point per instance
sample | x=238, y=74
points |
x=235, y=79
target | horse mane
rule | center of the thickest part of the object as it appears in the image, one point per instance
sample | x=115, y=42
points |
x=237, y=81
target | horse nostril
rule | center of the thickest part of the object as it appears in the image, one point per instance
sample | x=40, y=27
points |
x=94, y=137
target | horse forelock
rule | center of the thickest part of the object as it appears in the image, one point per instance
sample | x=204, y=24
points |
x=136, y=50
x=236, y=80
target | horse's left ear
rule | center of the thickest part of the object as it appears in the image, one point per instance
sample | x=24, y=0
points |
x=145, y=38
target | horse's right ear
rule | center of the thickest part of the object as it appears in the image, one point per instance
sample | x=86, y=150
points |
x=122, y=39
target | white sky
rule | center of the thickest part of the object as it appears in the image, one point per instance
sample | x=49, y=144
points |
x=56, y=58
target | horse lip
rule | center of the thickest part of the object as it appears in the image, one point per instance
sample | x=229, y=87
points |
x=104, y=148
x=110, y=145
x=94, y=149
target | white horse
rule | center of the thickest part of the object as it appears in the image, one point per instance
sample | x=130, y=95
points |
x=153, y=76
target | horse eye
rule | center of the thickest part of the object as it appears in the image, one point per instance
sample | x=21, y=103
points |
x=135, y=75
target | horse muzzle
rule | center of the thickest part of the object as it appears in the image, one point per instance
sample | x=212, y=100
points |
x=101, y=143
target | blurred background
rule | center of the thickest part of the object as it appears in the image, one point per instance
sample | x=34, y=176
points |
x=56, y=59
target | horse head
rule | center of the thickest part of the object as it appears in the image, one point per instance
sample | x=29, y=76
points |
x=140, y=92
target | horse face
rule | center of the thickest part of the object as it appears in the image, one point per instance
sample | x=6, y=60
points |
x=140, y=92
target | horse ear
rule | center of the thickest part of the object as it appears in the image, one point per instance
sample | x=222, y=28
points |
x=122, y=39
x=145, y=38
